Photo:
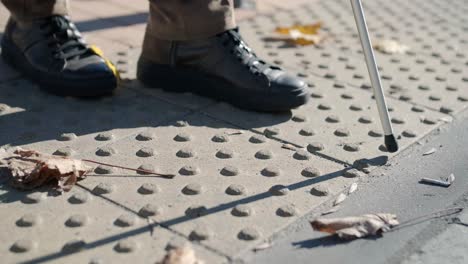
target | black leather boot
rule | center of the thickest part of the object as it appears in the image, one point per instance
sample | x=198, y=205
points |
x=51, y=52
x=222, y=67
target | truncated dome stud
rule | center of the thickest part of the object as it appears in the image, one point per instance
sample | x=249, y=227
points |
x=390, y=142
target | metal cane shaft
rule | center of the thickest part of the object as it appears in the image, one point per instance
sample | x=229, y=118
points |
x=371, y=65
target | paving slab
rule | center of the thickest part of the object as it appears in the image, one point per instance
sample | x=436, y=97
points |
x=241, y=177
x=448, y=247
x=393, y=189
x=42, y=227
x=425, y=79
x=224, y=175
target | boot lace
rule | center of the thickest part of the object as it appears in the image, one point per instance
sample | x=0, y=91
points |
x=63, y=38
x=244, y=53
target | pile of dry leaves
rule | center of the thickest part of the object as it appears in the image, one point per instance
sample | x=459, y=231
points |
x=30, y=169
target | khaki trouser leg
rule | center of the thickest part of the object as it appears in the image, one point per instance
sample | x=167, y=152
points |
x=24, y=10
x=189, y=19
x=179, y=20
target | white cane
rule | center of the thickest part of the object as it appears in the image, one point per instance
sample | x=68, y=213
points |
x=390, y=141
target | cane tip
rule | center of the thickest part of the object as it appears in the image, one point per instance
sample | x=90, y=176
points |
x=391, y=143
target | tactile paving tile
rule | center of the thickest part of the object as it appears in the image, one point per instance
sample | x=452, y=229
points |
x=425, y=80
x=385, y=21
x=340, y=121
x=414, y=27
x=80, y=227
x=233, y=188
x=35, y=119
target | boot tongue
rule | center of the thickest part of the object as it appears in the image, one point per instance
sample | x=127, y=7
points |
x=59, y=23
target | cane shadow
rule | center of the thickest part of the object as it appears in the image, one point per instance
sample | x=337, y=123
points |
x=327, y=241
x=170, y=223
x=111, y=22
x=370, y=162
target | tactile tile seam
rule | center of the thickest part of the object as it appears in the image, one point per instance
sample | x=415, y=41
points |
x=232, y=190
x=34, y=119
x=126, y=63
x=339, y=121
x=80, y=227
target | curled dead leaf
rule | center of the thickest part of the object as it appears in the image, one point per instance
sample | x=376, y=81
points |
x=348, y=228
x=30, y=169
x=181, y=255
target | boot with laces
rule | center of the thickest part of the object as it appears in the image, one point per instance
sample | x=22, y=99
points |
x=51, y=52
x=222, y=67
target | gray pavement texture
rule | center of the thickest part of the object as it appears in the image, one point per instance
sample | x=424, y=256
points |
x=394, y=188
x=237, y=184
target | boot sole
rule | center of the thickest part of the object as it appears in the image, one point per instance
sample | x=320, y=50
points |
x=91, y=87
x=180, y=80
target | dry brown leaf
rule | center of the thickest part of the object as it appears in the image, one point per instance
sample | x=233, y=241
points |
x=30, y=169
x=310, y=29
x=389, y=46
x=302, y=34
x=348, y=228
x=181, y=255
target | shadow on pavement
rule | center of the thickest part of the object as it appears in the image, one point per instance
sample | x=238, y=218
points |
x=13, y=195
x=325, y=241
x=110, y=22
x=28, y=115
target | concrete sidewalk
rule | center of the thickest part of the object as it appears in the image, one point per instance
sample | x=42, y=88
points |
x=243, y=178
